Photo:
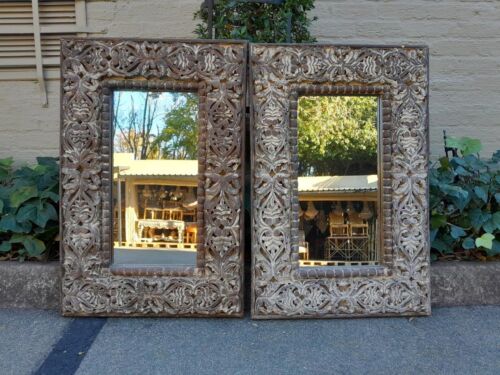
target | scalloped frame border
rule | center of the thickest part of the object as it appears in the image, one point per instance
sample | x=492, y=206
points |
x=89, y=70
x=401, y=284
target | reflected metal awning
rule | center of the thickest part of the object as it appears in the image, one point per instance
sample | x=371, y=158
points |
x=361, y=183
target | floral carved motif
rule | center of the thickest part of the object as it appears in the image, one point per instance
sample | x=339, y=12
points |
x=89, y=285
x=400, y=285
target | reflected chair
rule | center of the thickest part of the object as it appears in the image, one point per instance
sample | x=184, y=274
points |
x=357, y=225
x=172, y=214
x=336, y=222
x=152, y=213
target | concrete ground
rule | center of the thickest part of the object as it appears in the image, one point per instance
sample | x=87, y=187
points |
x=149, y=256
x=463, y=340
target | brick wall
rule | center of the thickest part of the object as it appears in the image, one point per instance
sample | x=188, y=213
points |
x=463, y=36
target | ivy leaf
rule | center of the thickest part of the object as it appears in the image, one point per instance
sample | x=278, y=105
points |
x=34, y=247
x=486, y=241
x=47, y=161
x=18, y=238
x=5, y=168
x=485, y=178
x=465, y=145
x=459, y=196
x=496, y=156
x=444, y=162
x=495, y=248
x=5, y=247
x=473, y=162
x=461, y=171
x=469, y=243
x=457, y=232
x=496, y=219
x=50, y=194
x=441, y=246
x=22, y=194
x=482, y=193
x=489, y=226
x=44, y=214
x=478, y=217
x=493, y=223
x=8, y=223
x=26, y=213
x=456, y=160
x=438, y=221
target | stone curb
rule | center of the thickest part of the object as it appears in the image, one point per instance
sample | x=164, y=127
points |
x=30, y=285
x=465, y=283
x=36, y=285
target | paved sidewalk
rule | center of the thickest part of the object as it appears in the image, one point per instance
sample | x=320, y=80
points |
x=453, y=341
x=26, y=338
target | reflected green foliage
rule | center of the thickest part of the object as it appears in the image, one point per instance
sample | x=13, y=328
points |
x=464, y=202
x=258, y=22
x=179, y=138
x=29, y=199
x=337, y=135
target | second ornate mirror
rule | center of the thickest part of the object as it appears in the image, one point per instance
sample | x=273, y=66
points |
x=339, y=181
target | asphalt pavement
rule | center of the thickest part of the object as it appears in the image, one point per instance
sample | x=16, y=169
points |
x=464, y=340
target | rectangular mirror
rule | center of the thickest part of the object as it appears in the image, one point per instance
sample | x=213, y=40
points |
x=155, y=177
x=338, y=180
x=152, y=177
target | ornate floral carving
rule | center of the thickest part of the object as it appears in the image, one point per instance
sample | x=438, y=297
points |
x=401, y=285
x=89, y=286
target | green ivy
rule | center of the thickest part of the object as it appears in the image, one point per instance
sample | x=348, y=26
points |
x=464, y=202
x=258, y=22
x=29, y=198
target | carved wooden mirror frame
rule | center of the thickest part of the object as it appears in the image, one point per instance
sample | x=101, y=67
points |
x=90, y=69
x=400, y=284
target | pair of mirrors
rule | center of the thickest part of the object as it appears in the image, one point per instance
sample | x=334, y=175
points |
x=153, y=179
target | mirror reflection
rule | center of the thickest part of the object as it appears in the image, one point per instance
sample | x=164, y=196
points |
x=338, y=183
x=155, y=177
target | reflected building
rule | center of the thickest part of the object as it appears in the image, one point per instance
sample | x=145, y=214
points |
x=158, y=205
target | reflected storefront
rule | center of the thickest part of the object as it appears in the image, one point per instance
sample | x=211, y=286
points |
x=155, y=217
x=337, y=218
x=338, y=221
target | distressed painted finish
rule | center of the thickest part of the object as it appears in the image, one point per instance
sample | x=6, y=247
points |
x=400, y=285
x=90, y=286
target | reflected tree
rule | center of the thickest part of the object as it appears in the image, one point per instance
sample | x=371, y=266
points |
x=135, y=127
x=179, y=137
x=144, y=128
x=337, y=135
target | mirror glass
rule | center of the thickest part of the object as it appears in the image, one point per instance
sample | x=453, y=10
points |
x=155, y=177
x=337, y=180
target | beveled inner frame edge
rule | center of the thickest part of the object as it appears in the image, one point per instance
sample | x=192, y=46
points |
x=109, y=87
x=384, y=193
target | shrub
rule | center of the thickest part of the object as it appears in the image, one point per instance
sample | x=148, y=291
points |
x=258, y=22
x=464, y=203
x=28, y=209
